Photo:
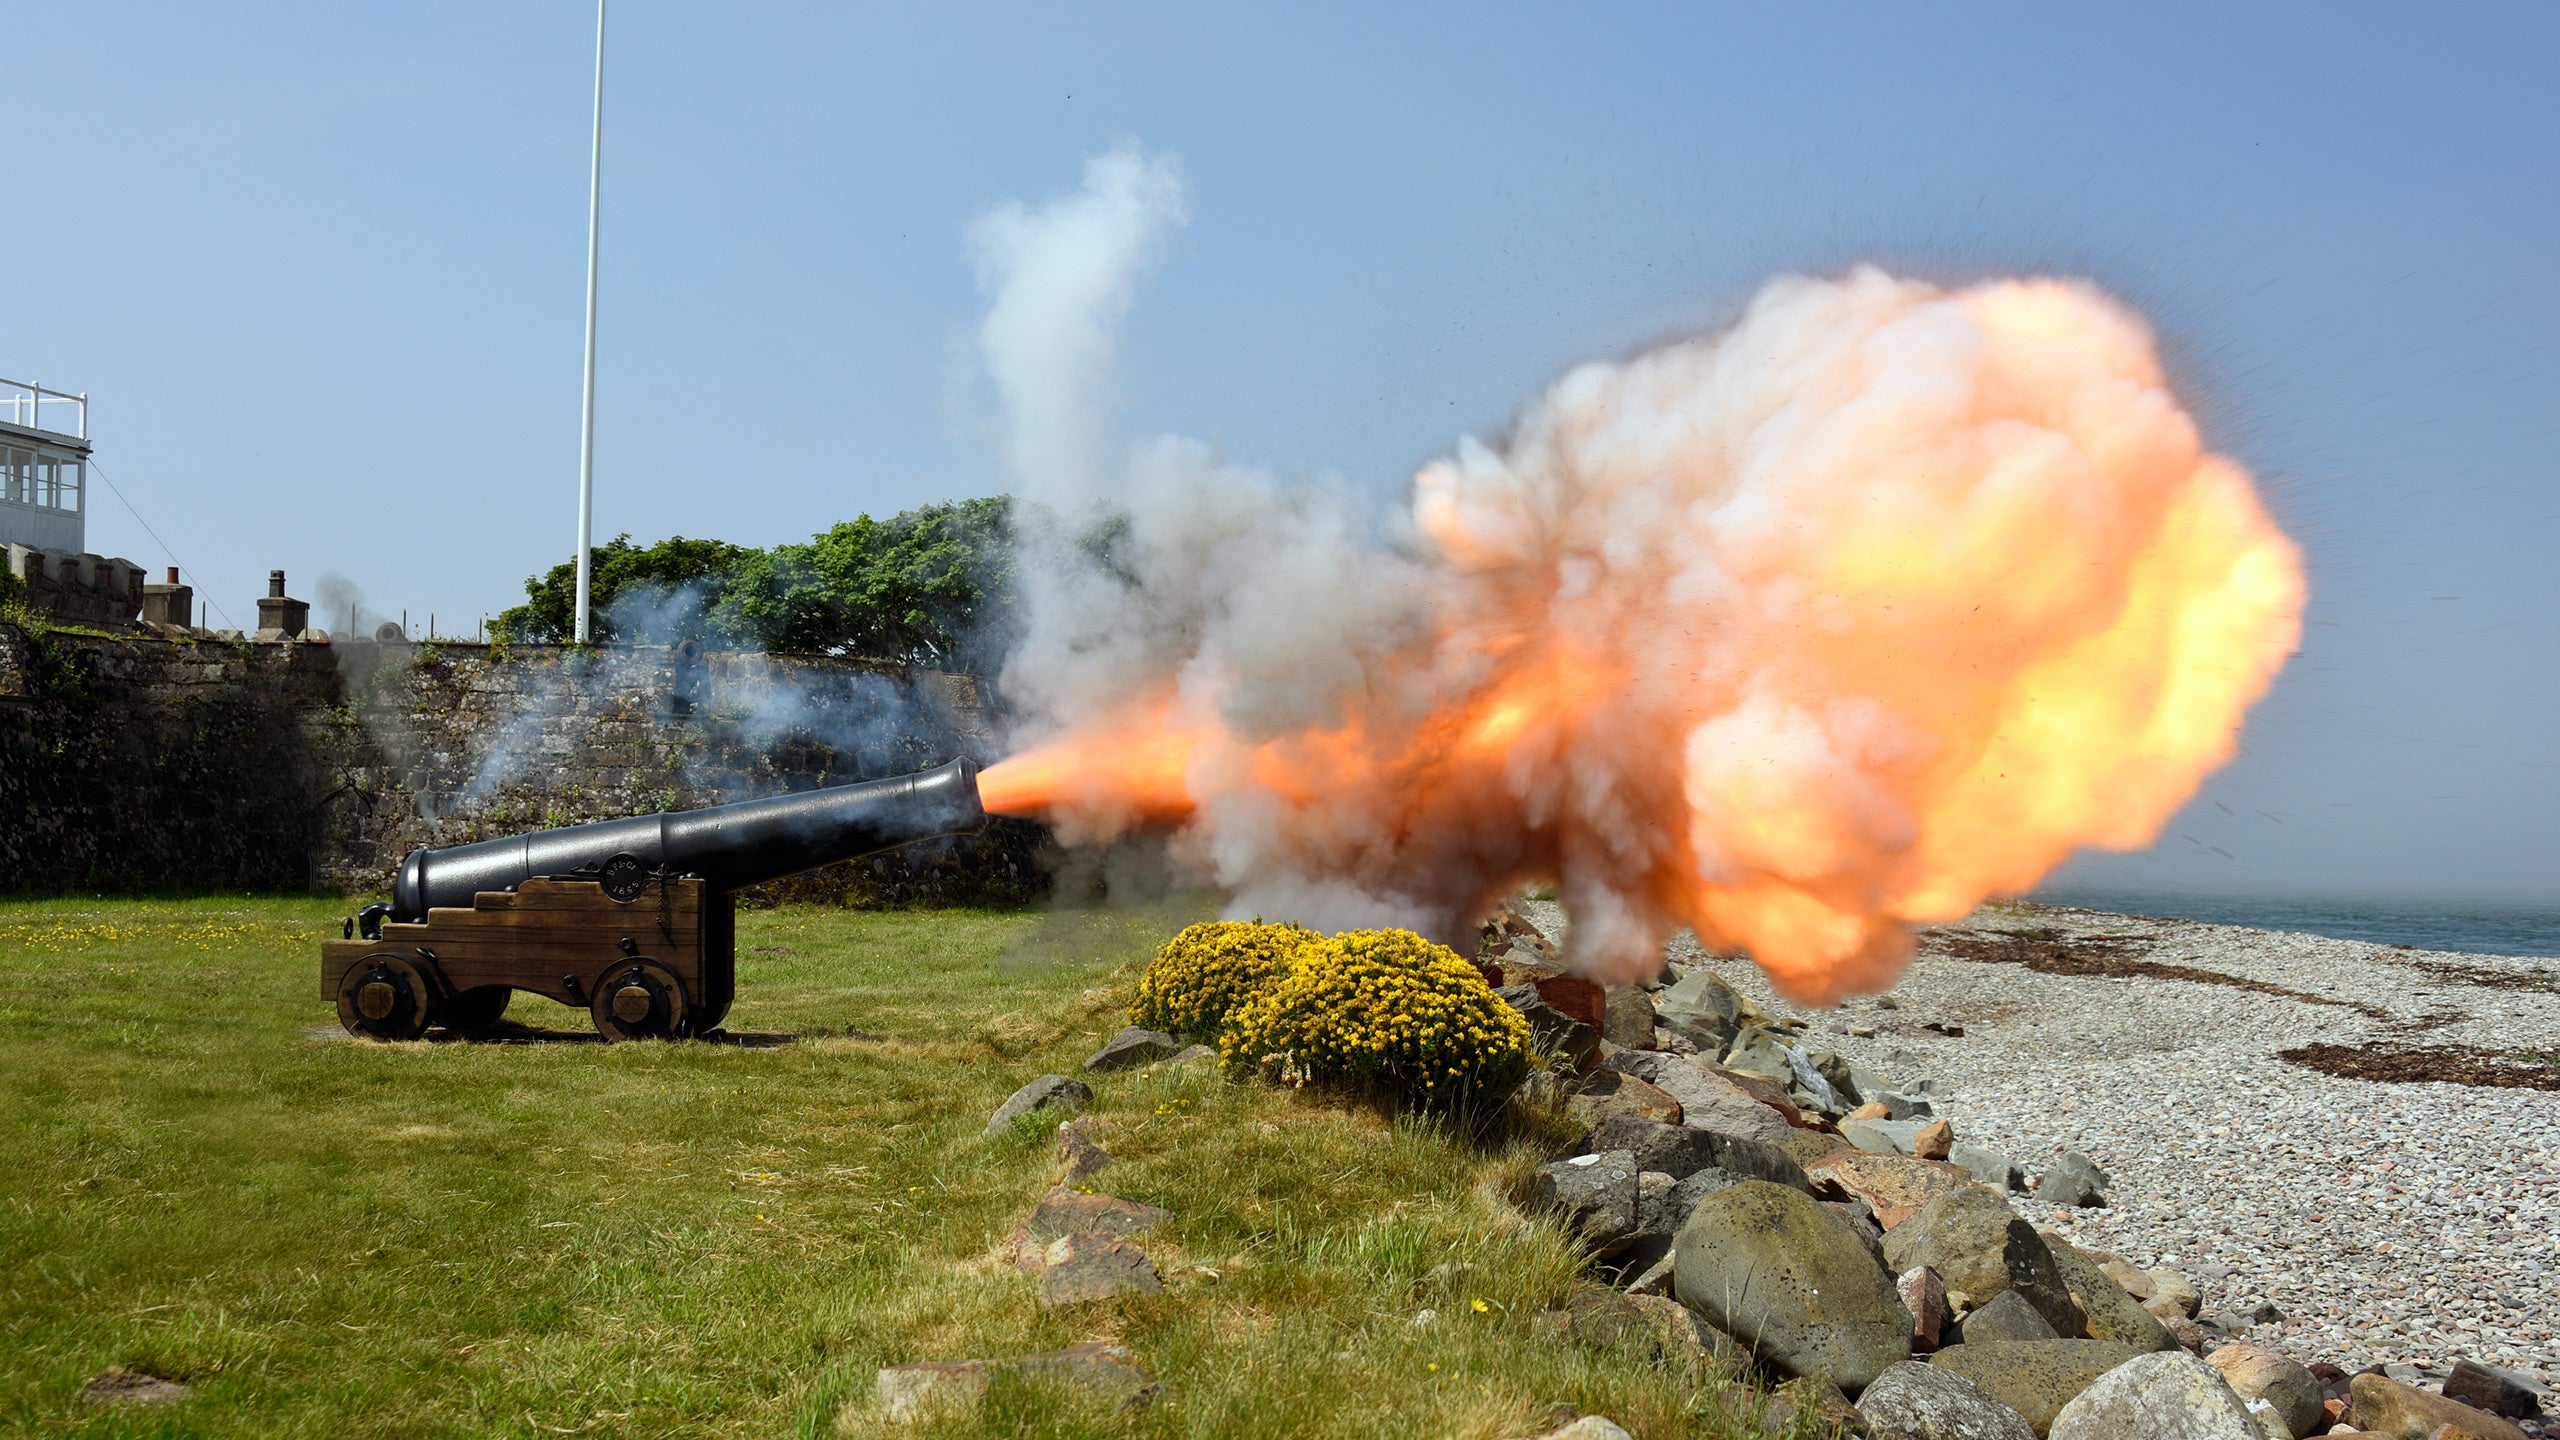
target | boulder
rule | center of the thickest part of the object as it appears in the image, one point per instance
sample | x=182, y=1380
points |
x=1894, y=1186
x=1898, y=1106
x=1707, y=1102
x=1883, y=1137
x=2136, y=1283
x=1589, y=1427
x=1988, y=1165
x=1763, y=1089
x=1923, y=1294
x=2176, y=1290
x=1757, y=1051
x=1604, y=1093
x=1193, y=1056
x=1555, y=1032
x=1808, y=1147
x=1705, y=1011
x=2259, y=1374
x=1629, y=1019
x=1912, y=1401
x=1595, y=1196
x=2486, y=1387
x=904, y=1391
x=1842, y=1077
x=1768, y=1266
x=1087, y=1266
x=1934, y=1140
x=2074, y=1180
x=1133, y=1046
x=2160, y=1396
x=2111, y=1312
x=2007, y=1317
x=2036, y=1378
x=1049, y=1092
x=1572, y=995
x=2383, y=1406
x=1978, y=1245
x=1067, y=1212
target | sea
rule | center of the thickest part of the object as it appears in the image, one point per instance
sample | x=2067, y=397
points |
x=2480, y=929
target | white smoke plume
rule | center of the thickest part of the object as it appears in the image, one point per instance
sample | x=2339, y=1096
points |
x=1878, y=603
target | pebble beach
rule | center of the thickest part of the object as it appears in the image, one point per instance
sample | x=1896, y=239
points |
x=2403, y=1223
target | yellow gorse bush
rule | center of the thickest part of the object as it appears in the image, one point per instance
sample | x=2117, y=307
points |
x=1204, y=973
x=1384, y=1009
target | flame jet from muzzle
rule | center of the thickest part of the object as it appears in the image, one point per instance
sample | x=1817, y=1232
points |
x=1879, y=603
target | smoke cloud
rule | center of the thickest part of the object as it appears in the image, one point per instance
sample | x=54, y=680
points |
x=1878, y=603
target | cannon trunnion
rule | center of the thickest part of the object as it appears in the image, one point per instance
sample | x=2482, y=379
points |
x=633, y=921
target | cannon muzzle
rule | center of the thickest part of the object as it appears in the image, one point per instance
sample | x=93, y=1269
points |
x=726, y=846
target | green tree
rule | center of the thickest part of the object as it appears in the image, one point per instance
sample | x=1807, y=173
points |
x=929, y=586
x=660, y=592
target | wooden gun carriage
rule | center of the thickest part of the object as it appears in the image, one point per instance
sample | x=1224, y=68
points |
x=633, y=920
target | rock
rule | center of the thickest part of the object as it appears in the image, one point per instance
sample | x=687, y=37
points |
x=1079, y=1149
x=2007, y=1316
x=1653, y=1325
x=2074, y=1180
x=1757, y=1051
x=1605, y=1093
x=1705, y=1011
x=1190, y=1056
x=1934, y=1140
x=1764, y=1263
x=2110, y=1312
x=1590, y=1427
x=120, y=1386
x=1049, y=1092
x=1656, y=1279
x=1087, y=1266
x=904, y=1391
x=1707, y=1102
x=2189, y=1335
x=1629, y=1019
x=1580, y=999
x=1988, y=1166
x=2157, y=1397
x=1884, y=1137
x=2136, y=1283
x=1841, y=1076
x=1133, y=1046
x=1912, y=1401
x=2176, y=1289
x=1763, y=1089
x=1067, y=1212
x=1977, y=1244
x=1808, y=1147
x=1678, y=1151
x=2036, y=1378
x=2486, y=1387
x=2256, y=1310
x=1871, y=1110
x=1898, y=1106
x=1894, y=1186
x=2384, y=1406
x=1925, y=1296
x=2257, y=1374
x=1554, y=1031
x=1594, y=1195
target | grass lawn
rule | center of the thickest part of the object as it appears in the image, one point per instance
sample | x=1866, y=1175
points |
x=202, y=1179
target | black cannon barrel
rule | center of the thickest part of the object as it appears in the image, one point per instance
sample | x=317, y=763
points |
x=730, y=846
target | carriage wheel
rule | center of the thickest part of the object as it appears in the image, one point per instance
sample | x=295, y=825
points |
x=473, y=1011
x=385, y=998
x=639, y=1000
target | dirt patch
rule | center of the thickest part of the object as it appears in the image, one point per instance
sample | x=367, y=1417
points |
x=2114, y=957
x=2418, y=1064
x=132, y=1387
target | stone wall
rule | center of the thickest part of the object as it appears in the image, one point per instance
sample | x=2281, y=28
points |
x=169, y=764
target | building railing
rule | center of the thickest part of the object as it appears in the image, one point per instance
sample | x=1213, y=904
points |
x=25, y=404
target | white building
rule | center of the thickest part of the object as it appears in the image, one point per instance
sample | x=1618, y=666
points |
x=44, y=468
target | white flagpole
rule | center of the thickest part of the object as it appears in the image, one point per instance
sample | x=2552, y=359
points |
x=587, y=434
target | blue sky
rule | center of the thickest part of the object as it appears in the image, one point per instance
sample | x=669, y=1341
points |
x=320, y=269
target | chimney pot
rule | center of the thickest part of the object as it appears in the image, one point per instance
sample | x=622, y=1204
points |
x=275, y=584
x=173, y=574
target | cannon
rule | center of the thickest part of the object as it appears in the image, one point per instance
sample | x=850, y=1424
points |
x=635, y=920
